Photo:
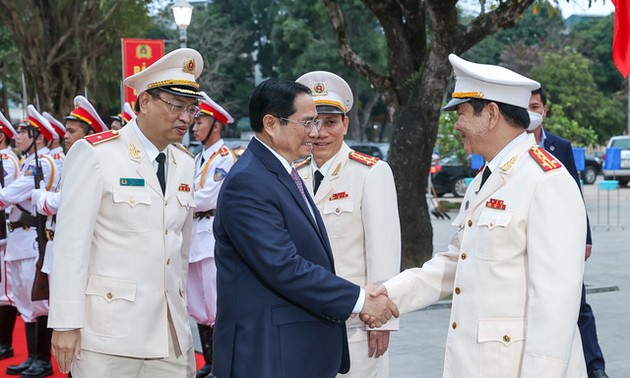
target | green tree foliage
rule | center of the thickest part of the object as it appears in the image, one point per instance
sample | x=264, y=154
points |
x=68, y=46
x=593, y=39
x=557, y=123
x=9, y=71
x=567, y=77
x=227, y=76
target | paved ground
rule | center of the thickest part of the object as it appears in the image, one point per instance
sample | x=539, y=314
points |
x=417, y=349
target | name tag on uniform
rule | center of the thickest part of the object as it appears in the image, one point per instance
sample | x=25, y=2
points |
x=124, y=181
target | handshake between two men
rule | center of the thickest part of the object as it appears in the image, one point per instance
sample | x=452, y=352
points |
x=377, y=308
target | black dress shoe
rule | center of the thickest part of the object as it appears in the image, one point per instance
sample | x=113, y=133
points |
x=39, y=369
x=599, y=373
x=204, y=371
x=6, y=351
x=18, y=369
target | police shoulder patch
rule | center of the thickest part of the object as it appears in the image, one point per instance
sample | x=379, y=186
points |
x=545, y=160
x=302, y=162
x=102, y=137
x=183, y=149
x=219, y=174
x=363, y=158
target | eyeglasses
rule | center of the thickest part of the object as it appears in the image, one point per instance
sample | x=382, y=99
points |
x=308, y=125
x=192, y=110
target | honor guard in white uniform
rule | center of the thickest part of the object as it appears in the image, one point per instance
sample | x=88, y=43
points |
x=47, y=202
x=8, y=312
x=356, y=197
x=22, y=248
x=118, y=281
x=128, y=114
x=211, y=166
x=514, y=266
x=56, y=150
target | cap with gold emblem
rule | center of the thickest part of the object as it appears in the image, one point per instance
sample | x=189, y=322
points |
x=36, y=120
x=84, y=111
x=7, y=128
x=488, y=82
x=58, y=126
x=175, y=72
x=331, y=93
x=211, y=108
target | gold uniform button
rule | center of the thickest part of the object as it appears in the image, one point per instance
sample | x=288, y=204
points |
x=337, y=210
x=165, y=232
x=132, y=201
x=506, y=338
x=181, y=292
x=109, y=295
x=168, y=261
x=457, y=290
x=454, y=325
x=464, y=256
x=469, y=223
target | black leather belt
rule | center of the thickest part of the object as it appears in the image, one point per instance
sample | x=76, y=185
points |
x=204, y=214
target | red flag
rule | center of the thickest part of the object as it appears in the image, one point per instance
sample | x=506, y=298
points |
x=621, y=36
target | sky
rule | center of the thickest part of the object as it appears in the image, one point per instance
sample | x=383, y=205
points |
x=580, y=7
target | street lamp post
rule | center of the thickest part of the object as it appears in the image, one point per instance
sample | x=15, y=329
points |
x=182, y=11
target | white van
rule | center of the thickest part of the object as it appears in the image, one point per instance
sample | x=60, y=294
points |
x=622, y=174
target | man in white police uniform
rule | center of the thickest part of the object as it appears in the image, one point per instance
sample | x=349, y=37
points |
x=8, y=312
x=356, y=196
x=22, y=249
x=211, y=166
x=514, y=266
x=118, y=281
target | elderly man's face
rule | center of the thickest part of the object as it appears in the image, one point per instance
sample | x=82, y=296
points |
x=472, y=128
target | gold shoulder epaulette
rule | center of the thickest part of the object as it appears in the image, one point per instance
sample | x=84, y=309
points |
x=545, y=160
x=363, y=158
x=5, y=156
x=303, y=162
x=224, y=150
x=183, y=149
x=102, y=137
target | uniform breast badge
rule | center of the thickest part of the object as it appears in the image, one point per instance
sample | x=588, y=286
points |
x=495, y=204
x=183, y=188
x=128, y=181
x=337, y=196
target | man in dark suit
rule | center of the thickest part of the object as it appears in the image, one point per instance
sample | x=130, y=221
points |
x=563, y=151
x=281, y=310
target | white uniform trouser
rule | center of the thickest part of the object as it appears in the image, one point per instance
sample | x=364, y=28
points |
x=99, y=365
x=362, y=366
x=4, y=295
x=202, y=291
x=20, y=276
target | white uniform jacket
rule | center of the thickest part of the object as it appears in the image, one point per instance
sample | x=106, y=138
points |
x=515, y=270
x=218, y=160
x=20, y=242
x=121, y=247
x=359, y=206
x=58, y=157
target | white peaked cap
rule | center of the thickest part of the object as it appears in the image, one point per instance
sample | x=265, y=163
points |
x=488, y=82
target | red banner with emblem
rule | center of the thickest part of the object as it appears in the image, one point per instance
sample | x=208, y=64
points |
x=138, y=54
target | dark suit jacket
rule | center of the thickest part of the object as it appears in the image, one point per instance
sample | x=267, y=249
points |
x=281, y=309
x=562, y=149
